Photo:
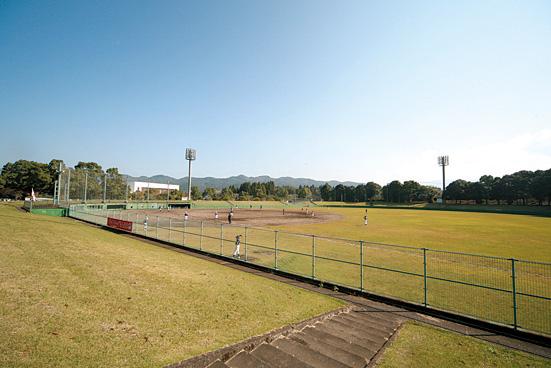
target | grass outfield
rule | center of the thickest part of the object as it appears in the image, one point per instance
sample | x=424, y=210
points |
x=518, y=236
x=74, y=295
x=422, y=346
x=504, y=235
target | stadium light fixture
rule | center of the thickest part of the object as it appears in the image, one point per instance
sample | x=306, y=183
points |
x=190, y=156
x=443, y=161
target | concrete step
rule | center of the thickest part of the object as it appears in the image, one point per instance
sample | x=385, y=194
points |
x=385, y=316
x=307, y=355
x=384, y=319
x=277, y=358
x=217, y=364
x=339, y=342
x=361, y=331
x=246, y=360
x=368, y=329
x=325, y=348
x=345, y=334
x=383, y=323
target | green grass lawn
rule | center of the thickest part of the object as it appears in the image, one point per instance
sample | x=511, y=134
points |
x=421, y=346
x=75, y=295
x=518, y=236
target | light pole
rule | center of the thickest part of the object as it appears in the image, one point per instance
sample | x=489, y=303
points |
x=443, y=161
x=190, y=156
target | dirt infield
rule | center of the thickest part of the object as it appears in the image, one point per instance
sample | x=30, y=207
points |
x=249, y=217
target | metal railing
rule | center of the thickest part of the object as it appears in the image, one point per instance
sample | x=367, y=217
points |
x=510, y=292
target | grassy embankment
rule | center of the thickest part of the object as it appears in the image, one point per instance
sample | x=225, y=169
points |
x=75, y=295
x=421, y=346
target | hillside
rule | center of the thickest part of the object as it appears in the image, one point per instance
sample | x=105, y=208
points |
x=220, y=183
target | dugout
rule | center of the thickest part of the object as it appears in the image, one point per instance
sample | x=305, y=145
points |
x=179, y=205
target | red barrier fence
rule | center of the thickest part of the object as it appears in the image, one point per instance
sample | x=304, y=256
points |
x=119, y=224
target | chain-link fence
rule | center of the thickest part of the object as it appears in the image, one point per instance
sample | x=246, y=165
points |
x=506, y=291
x=94, y=186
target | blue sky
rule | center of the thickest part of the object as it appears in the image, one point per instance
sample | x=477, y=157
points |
x=349, y=90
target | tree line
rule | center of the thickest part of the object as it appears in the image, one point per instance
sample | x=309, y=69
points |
x=522, y=187
x=265, y=191
x=18, y=178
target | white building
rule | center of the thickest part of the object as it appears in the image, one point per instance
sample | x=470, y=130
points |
x=139, y=186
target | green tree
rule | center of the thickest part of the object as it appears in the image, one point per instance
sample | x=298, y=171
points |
x=90, y=166
x=372, y=190
x=116, y=184
x=429, y=193
x=195, y=193
x=326, y=192
x=476, y=191
x=410, y=191
x=209, y=193
x=457, y=190
x=487, y=181
x=394, y=191
x=22, y=176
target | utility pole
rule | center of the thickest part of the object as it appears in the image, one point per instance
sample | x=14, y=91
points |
x=190, y=156
x=126, y=190
x=443, y=161
x=85, y=186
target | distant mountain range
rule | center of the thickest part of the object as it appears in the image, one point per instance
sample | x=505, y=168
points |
x=220, y=183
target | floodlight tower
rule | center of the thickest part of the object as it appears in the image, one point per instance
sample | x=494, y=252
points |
x=443, y=161
x=190, y=156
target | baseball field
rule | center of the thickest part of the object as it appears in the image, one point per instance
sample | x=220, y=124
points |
x=393, y=258
x=72, y=294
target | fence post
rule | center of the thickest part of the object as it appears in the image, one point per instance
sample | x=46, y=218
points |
x=361, y=265
x=514, y=285
x=275, y=249
x=425, y=276
x=69, y=188
x=185, y=229
x=221, y=237
x=313, y=256
x=201, y=237
x=104, y=187
x=246, y=231
x=55, y=192
x=157, y=228
x=169, y=227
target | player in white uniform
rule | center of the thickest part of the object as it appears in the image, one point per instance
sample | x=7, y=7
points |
x=237, y=245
